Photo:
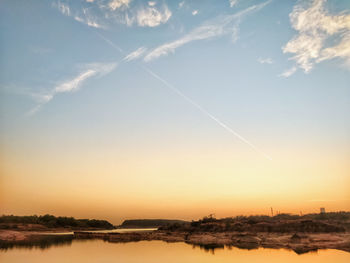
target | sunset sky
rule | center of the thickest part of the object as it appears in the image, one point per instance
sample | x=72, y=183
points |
x=117, y=109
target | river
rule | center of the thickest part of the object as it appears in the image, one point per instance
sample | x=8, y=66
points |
x=91, y=251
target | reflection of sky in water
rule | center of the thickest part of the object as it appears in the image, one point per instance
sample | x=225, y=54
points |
x=120, y=230
x=158, y=251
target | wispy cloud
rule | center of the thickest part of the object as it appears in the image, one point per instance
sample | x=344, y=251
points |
x=321, y=36
x=115, y=4
x=151, y=16
x=265, y=60
x=73, y=84
x=289, y=72
x=233, y=2
x=104, y=13
x=181, y=4
x=63, y=8
x=88, y=21
x=195, y=12
x=135, y=54
x=222, y=25
x=84, y=16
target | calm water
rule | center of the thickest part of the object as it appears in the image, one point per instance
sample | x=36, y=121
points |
x=119, y=230
x=160, y=252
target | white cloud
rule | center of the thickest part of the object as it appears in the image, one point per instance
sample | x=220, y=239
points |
x=288, y=72
x=135, y=54
x=88, y=21
x=63, y=8
x=181, y=4
x=321, y=36
x=222, y=25
x=90, y=70
x=150, y=16
x=265, y=60
x=73, y=84
x=42, y=98
x=233, y=2
x=104, y=13
x=115, y=4
x=89, y=1
x=194, y=12
x=83, y=17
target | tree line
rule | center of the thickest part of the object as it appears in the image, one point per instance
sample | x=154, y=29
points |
x=60, y=221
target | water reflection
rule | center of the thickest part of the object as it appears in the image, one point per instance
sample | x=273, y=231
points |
x=47, y=241
x=38, y=241
x=209, y=248
x=94, y=251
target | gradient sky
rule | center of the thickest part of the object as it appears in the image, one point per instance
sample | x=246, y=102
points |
x=118, y=109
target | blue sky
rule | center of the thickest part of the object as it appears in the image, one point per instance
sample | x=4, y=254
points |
x=246, y=77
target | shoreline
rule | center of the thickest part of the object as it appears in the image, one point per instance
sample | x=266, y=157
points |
x=298, y=242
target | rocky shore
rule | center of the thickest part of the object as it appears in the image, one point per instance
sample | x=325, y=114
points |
x=298, y=233
x=298, y=242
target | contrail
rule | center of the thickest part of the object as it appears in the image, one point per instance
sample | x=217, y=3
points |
x=211, y=116
x=192, y=102
x=110, y=42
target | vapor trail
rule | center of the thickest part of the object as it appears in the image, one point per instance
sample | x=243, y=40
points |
x=192, y=102
x=110, y=42
x=211, y=116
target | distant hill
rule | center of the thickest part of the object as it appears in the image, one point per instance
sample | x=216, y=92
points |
x=149, y=223
x=50, y=221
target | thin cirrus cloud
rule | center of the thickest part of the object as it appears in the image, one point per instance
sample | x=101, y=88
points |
x=265, y=60
x=135, y=54
x=222, y=25
x=84, y=16
x=88, y=21
x=105, y=13
x=289, y=72
x=233, y=3
x=73, y=84
x=320, y=35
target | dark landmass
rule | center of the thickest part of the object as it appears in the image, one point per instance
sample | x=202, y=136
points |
x=50, y=222
x=149, y=223
x=283, y=223
x=299, y=233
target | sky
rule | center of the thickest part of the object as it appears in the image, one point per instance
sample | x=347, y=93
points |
x=118, y=109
